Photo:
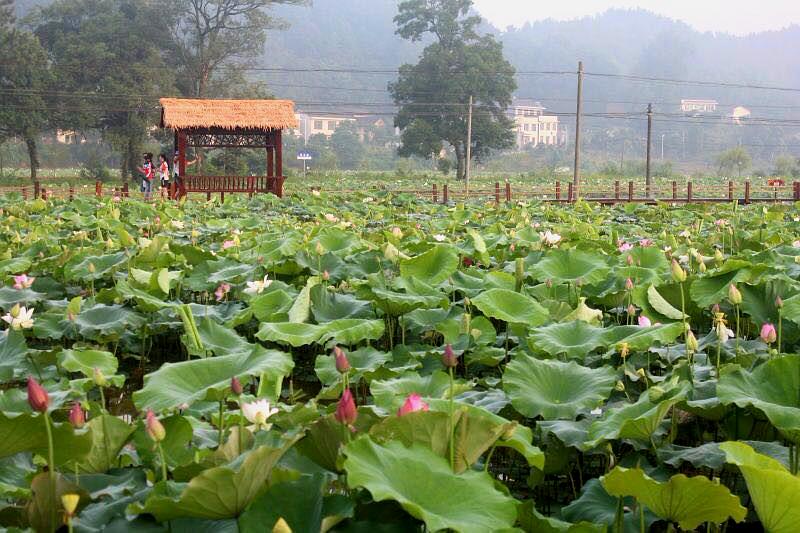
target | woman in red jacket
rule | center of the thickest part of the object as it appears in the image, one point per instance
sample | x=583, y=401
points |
x=147, y=175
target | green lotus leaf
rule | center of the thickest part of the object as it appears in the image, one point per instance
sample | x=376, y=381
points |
x=145, y=301
x=637, y=420
x=687, y=501
x=774, y=490
x=597, y=506
x=10, y=296
x=101, y=265
x=109, y=435
x=510, y=306
x=532, y=521
x=640, y=338
x=291, y=333
x=713, y=287
x=15, y=265
x=13, y=351
x=327, y=305
x=771, y=388
x=662, y=306
x=107, y=321
x=433, y=266
x=301, y=308
x=85, y=361
x=363, y=360
x=27, y=433
x=554, y=390
x=303, y=504
x=272, y=306
x=569, y=266
x=189, y=381
x=425, y=486
x=389, y=394
x=352, y=330
x=398, y=303
x=573, y=339
x=585, y=313
x=220, y=492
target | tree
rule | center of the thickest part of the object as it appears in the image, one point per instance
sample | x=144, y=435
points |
x=205, y=36
x=734, y=159
x=7, y=18
x=433, y=95
x=24, y=78
x=787, y=167
x=109, y=73
x=345, y=143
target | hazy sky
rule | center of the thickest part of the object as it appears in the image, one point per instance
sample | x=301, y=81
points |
x=733, y=16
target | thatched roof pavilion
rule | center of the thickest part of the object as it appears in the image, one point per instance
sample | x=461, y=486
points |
x=229, y=124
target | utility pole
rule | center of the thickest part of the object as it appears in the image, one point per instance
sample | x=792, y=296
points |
x=662, y=145
x=649, y=143
x=469, y=145
x=576, y=176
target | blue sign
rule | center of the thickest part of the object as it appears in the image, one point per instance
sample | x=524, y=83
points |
x=304, y=156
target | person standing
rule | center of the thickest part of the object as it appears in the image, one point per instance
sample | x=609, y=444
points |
x=147, y=175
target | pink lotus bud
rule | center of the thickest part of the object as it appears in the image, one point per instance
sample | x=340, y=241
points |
x=236, y=386
x=629, y=284
x=768, y=333
x=779, y=302
x=326, y=275
x=412, y=404
x=346, y=412
x=155, y=430
x=629, y=260
x=342, y=364
x=449, y=358
x=715, y=309
x=631, y=310
x=644, y=321
x=37, y=396
x=76, y=416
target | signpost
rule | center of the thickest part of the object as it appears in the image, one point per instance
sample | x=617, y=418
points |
x=304, y=156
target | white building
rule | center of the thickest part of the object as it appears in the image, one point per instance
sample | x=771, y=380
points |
x=310, y=124
x=691, y=105
x=533, y=126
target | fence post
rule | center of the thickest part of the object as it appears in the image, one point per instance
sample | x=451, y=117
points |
x=445, y=194
x=44, y=193
x=508, y=191
x=222, y=197
x=497, y=192
x=674, y=190
x=796, y=195
x=730, y=190
x=37, y=188
x=688, y=191
x=747, y=192
x=24, y=193
x=435, y=194
x=569, y=192
x=558, y=190
x=616, y=189
x=630, y=191
x=98, y=189
x=125, y=192
x=71, y=193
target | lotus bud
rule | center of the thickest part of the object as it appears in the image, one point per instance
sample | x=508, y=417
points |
x=631, y=310
x=92, y=268
x=678, y=273
x=397, y=232
x=236, y=386
x=734, y=295
x=76, y=416
x=702, y=268
x=768, y=333
x=579, y=282
x=620, y=386
x=155, y=429
x=346, y=412
x=326, y=275
x=510, y=430
x=466, y=323
x=778, y=302
x=319, y=248
x=641, y=372
x=629, y=260
x=342, y=363
x=691, y=341
x=629, y=284
x=715, y=309
x=718, y=257
x=449, y=358
x=38, y=398
x=70, y=503
x=99, y=378
x=14, y=312
x=548, y=283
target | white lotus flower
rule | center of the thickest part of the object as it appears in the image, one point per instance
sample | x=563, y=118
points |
x=550, y=238
x=439, y=237
x=19, y=317
x=258, y=286
x=331, y=218
x=796, y=244
x=596, y=411
x=258, y=412
x=177, y=224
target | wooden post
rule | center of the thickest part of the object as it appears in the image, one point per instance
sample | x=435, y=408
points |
x=558, y=190
x=570, y=192
x=251, y=185
x=208, y=196
x=435, y=194
x=71, y=193
x=37, y=188
x=126, y=193
x=44, y=193
x=616, y=189
x=222, y=197
x=630, y=191
x=576, y=175
x=747, y=192
x=508, y=191
x=730, y=190
x=497, y=192
x=98, y=188
x=647, y=175
x=278, y=155
x=796, y=196
x=688, y=192
x=271, y=155
x=445, y=195
x=181, y=147
x=674, y=190
x=24, y=193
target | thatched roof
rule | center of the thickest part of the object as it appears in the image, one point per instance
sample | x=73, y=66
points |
x=187, y=113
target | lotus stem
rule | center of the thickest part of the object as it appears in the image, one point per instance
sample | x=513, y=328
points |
x=719, y=352
x=452, y=425
x=780, y=328
x=736, y=349
x=641, y=517
x=241, y=426
x=163, y=461
x=51, y=467
x=489, y=457
x=683, y=311
x=102, y=399
x=221, y=424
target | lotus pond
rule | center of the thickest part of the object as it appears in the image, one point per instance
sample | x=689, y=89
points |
x=385, y=364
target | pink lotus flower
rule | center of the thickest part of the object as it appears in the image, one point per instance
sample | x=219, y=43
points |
x=768, y=333
x=23, y=281
x=153, y=427
x=341, y=361
x=228, y=244
x=624, y=247
x=644, y=321
x=412, y=404
x=644, y=243
x=76, y=416
x=222, y=290
x=346, y=412
x=38, y=398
